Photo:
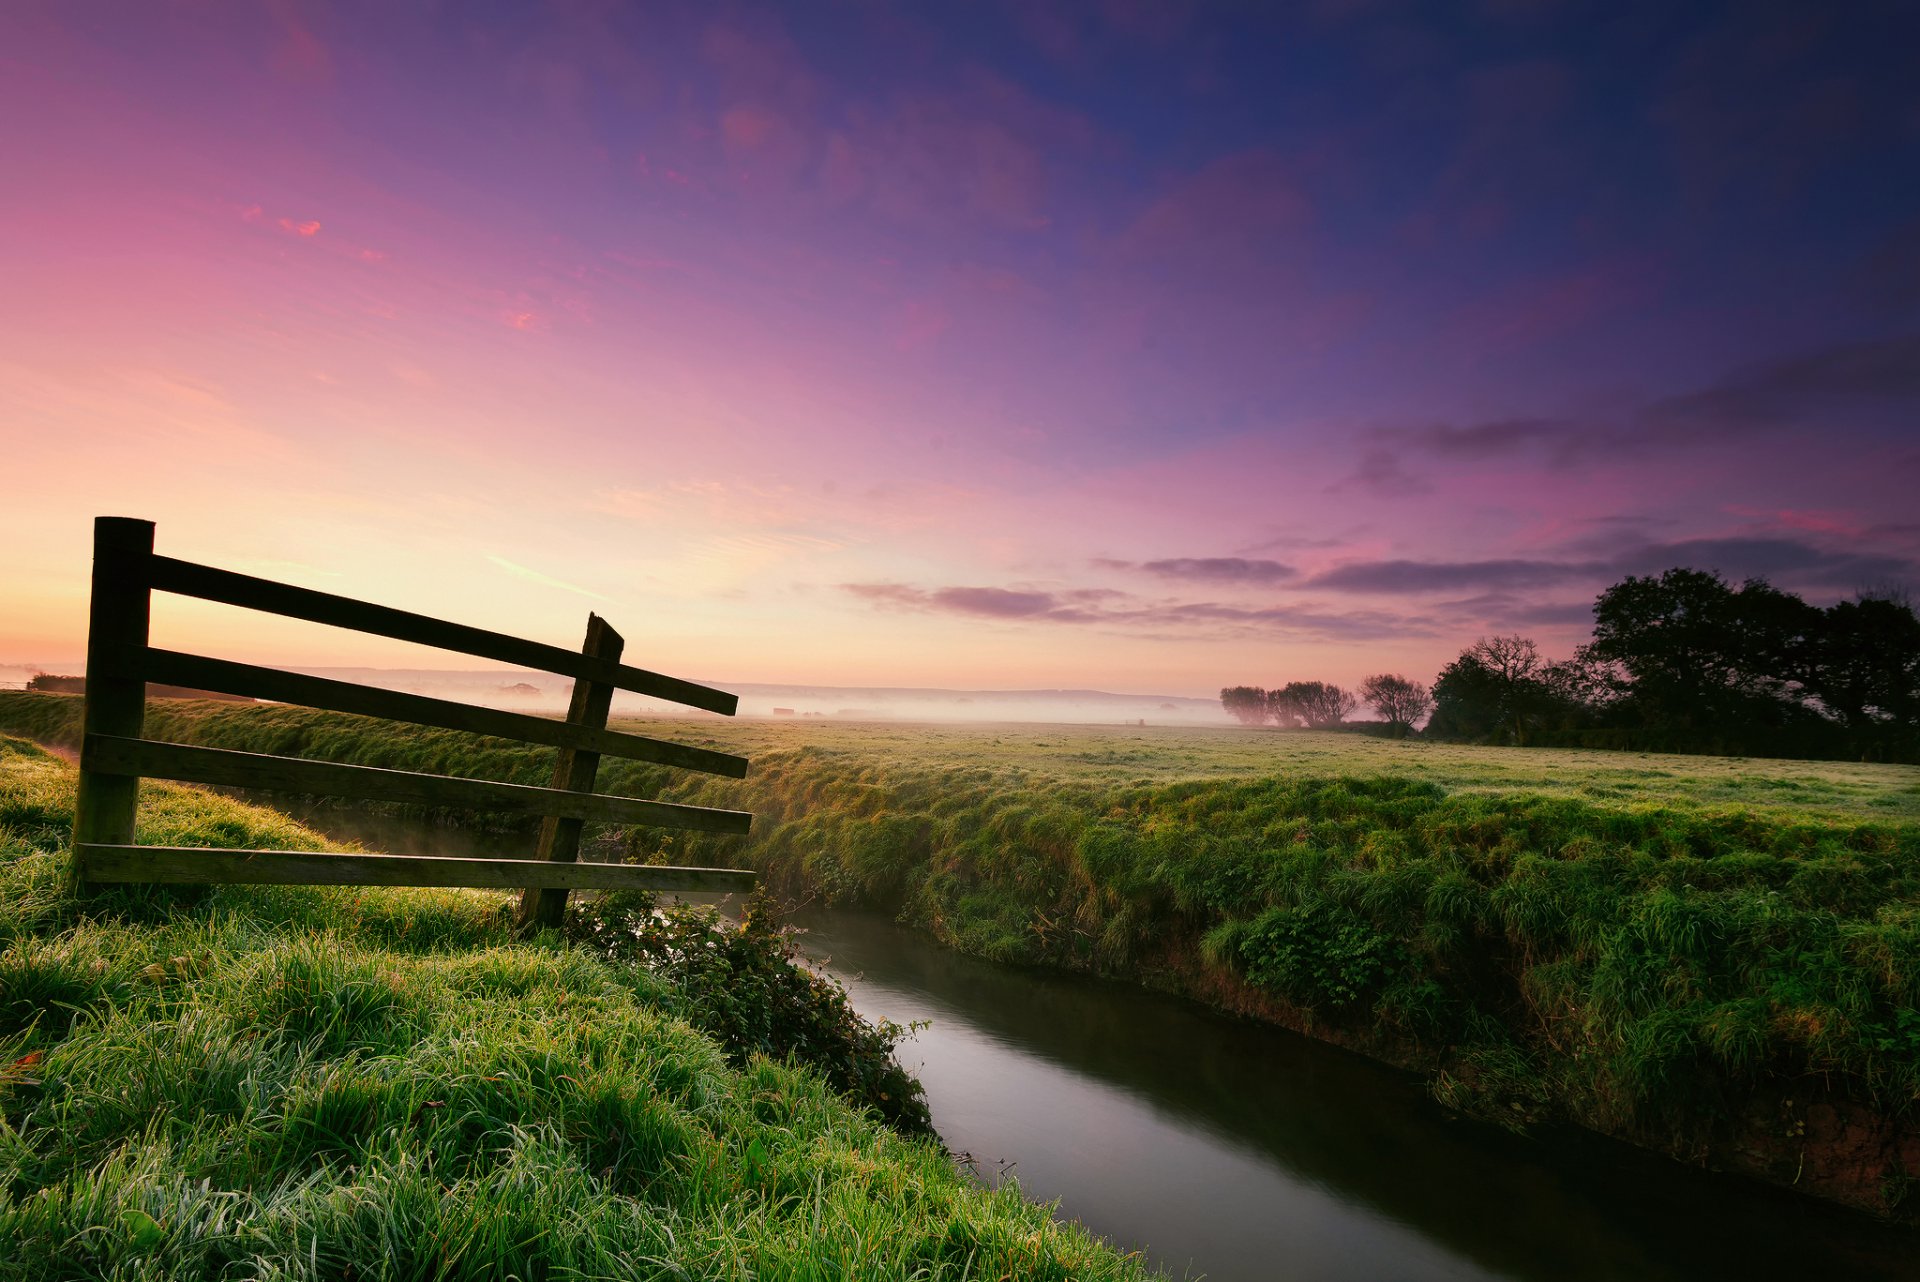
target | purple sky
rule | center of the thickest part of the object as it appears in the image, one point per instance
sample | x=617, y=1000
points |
x=1134, y=345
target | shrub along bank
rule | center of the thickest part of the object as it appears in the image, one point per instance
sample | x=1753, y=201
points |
x=308, y=1083
x=1733, y=987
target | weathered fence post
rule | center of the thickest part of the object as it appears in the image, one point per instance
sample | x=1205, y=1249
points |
x=574, y=772
x=117, y=627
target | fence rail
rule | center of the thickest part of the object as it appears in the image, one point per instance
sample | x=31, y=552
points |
x=115, y=756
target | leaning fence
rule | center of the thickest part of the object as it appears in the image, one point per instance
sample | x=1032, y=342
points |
x=115, y=757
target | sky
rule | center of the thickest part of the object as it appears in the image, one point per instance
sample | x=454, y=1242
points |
x=1109, y=344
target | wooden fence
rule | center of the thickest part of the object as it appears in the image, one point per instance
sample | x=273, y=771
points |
x=114, y=757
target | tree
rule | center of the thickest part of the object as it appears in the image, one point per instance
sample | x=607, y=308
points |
x=1316, y=703
x=1466, y=701
x=1513, y=661
x=1401, y=701
x=1281, y=709
x=1867, y=664
x=1496, y=690
x=1514, y=665
x=1248, y=704
x=1708, y=661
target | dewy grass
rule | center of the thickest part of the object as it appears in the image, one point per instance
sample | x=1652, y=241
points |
x=320, y=1083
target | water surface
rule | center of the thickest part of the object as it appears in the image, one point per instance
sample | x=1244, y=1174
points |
x=1240, y=1151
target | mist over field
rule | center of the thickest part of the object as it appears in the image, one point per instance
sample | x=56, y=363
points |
x=544, y=692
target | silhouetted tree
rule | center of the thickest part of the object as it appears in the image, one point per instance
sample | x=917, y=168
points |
x=1467, y=701
x=1684, y=661
x=1281, y=709
x=1709, y=663
x=1867, y=665
x=1247, y=703
x=1318, y=704
x=1401, y=701
x=1500, y=690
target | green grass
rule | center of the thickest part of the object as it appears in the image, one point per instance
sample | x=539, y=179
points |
x=321, y=1083
x=1675, y=949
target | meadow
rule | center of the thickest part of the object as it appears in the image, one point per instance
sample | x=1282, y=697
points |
x=335, y=1083
x=1022, y=753
x=1719, y=959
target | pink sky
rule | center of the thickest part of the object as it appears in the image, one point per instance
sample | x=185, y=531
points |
x=931, y=368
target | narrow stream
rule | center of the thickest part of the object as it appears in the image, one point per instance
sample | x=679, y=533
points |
x=1243, y=1151
x=1232, y=1150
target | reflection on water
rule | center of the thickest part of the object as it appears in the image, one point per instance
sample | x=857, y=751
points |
x=1236, y=1151
x=1241, y=1151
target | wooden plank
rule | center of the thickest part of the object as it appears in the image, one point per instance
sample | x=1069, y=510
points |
x=115, y=755
x=116, y=705
x=227, y=677
x=111, y=862
x=189, y=579
x=573, y=771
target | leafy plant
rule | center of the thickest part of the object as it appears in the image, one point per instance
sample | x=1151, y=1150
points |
x=1318, y=955
x=743, y=984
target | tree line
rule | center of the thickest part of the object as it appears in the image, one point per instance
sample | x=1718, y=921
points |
x=1318, y=705
x=1679, y=662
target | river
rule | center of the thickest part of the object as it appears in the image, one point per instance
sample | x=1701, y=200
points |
x=1232, y=1150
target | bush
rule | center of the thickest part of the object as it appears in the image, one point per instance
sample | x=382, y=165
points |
x=743, y=984
x=1318, y=955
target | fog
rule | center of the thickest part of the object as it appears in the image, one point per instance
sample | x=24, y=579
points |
x=545, y=692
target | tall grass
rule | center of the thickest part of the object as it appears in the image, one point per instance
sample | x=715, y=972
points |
x=306, y=1083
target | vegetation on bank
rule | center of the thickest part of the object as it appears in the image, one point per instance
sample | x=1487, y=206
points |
x=1649, y=968
x=338, y=1083
x=745, y=986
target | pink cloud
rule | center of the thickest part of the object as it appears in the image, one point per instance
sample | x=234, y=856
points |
x=1809, y=520
x=310, y=227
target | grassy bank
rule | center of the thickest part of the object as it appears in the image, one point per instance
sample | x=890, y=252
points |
x=1731, y=983
x=384, y=1084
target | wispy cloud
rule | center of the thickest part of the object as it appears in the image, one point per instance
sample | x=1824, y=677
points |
x=1791, y=562
x=1208, y=569
x=1185, y=619
x=519, y=571
x=1842, y=383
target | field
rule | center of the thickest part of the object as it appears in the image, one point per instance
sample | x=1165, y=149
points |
x=1719, y=959
x=1131, y=755
x=345, y=1084
x=1118, y=755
